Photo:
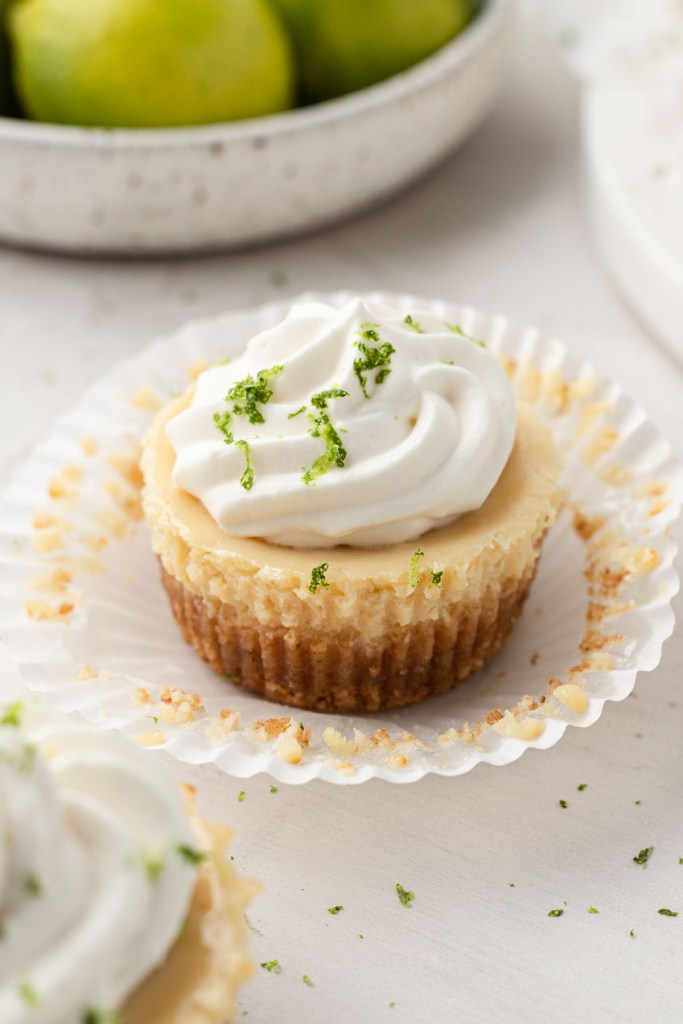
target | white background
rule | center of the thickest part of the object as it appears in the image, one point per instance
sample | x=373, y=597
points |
x=500, y=225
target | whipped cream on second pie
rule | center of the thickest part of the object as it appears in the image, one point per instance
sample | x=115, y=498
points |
x=98, y=862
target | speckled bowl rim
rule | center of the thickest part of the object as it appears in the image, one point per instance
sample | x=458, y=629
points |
x=473, y=37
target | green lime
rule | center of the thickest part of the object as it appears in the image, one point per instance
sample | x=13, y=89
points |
x=345, y=45
x=149, y=63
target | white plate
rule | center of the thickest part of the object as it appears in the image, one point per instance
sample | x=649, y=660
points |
x=121, y=637
x=184, y=189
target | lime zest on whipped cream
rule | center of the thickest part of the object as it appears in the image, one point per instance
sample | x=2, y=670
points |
x=644, y=856
x=665, y=912
x=414, y=570
x=318, y=577
x=247, y=478
x=32, y=885
x=413, y=324
x=373, y=358
x=246, y=395
x=335, y=453
x=153, y=864
x=12, y=714
x=95, y=1016
x=272, y=965
x=188, y=853
x=23, y=762
x=253, y=392
x=437, y=576
x=457, y=329
x=28, y=994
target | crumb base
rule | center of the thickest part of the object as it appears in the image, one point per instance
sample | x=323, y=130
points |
x=338, y=671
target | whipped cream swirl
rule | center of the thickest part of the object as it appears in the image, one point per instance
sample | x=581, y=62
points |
x=422, y=422
x=97, y=869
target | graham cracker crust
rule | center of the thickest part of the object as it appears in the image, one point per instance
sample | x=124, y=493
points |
x=339, y=671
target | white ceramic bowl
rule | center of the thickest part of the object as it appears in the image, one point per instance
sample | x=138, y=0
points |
x=215, y=186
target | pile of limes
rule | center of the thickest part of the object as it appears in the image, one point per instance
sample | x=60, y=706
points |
x=158, y=63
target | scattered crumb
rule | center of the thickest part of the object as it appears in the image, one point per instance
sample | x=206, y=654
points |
x=140, y=696
x=59, y=490
x=289, y=737
x=535, y=658
x=128, y=467
x=521, y=728
x=218, y=729
x=146, y=401
x=154, y=738
x=86, y=672
x=178, y=698
x=113, y=522
x=397, y=760
x=95, y=541
x=177, y=705
x=593, y=641
x=44, y=612
x=586, y=526
x=48, y=539
x=615, y=475
x=509, y=365
x=55, y=582
x=265, y=729
x=44, y=520
x=289, y=745
x=344, y=747
x=89, y=446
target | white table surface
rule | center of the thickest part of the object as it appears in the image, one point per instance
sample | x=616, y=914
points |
x=499, y=225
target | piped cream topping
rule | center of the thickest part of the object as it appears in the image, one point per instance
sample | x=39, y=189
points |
x=97, y=866
x=341, y=426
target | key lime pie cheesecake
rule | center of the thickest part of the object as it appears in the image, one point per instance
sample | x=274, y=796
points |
x=116, y=904
x=349, y=514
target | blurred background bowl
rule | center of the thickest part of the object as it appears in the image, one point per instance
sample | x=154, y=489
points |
x=174, y=190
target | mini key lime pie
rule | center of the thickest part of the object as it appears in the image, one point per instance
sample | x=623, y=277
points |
x=116, y=904
x=348, y=516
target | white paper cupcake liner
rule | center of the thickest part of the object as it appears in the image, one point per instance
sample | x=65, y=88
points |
x=84, y=616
